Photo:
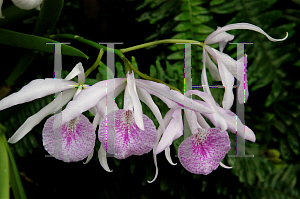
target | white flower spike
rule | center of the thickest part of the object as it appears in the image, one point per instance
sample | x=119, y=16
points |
x=226, y=65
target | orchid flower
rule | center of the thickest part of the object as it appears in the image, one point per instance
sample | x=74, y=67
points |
x=23, y=4
x=77, y=137
x=204, y=139
x=130, y=123
x=227, y=67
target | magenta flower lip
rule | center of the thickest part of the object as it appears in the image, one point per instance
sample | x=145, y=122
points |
x=128, y=138
x=202, y=152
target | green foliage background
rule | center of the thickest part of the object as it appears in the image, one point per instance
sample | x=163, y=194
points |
x=272, y=110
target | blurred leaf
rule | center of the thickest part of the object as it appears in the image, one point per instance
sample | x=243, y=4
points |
x=32, y=42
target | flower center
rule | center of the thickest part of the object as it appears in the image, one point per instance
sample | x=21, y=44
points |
x=127, y=118
x=71, y=126
x=200, y=137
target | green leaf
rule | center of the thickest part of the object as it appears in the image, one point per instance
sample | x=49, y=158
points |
x=14, y=178
x=48, y=16
x=120, y=71
x=179, y=55
x=160, y=71
x=32, y=42
x=4, y=165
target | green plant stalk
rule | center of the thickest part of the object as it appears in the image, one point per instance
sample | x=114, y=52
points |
x=95, y=65
x=88, y=42
x=121, y=55
x=164, y=41
x=148, y=77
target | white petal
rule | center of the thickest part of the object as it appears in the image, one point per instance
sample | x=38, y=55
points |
x=224, y=166
x=27, y=4
x=223, y=37
x=102, y=107
x=227, y=78
x=173, y=131
x=241, y=26
x=36, y=89
x=147, y=99
x=212, y=68
x=77, y=70
x=211, y=104
x=192, y=120
x=35, y=119
x=90, y=96
x=204, y=81
x=138, y=112
x=128, y=104
x=102, y=159
x=202, y=121
x=168, y=156
x=89, y=157
x=172, y=98
x=156, y=168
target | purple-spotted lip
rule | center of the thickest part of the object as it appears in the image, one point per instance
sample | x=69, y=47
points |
x=73, y=142
x=202, y=152
x=120, y=135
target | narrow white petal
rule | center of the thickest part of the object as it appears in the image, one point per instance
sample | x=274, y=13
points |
x=172, y=98
x=224, y=166
x=102, y=159
x=90, y=97
x=212, y=68
x=192, y=120
x=138, y=112
x=128, y=104
x=168, y=156
x=35, y=119
x=156, y=168
x=241, y=26
x=204, y=81
x=77, y=70
x=36, y=89
x=222, y=37
x=89, y=157
x=210, y=104
x=173, y=131
x=147, y=99
x=27, y=4
x=202, y=121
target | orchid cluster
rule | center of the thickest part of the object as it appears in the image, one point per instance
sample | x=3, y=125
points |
x=69, y=136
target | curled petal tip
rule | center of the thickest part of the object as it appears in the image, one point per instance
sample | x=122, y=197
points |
x=224, y=166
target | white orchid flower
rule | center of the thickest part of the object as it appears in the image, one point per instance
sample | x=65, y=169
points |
x=131, y=119
x=227, y=67
x=221, y=118
x=23, y=4
x=77, y=136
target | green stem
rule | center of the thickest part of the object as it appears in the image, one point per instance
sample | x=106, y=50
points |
x=95, y=65
x=88, y=42
x=121, y=51
x=146, y=76
x=164, y=41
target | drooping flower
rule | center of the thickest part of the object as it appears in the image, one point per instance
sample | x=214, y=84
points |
x=139, y=90
x=76, y=138
x=227, y=67
x=202, y=152
x=23, y=4
x=127, y=138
